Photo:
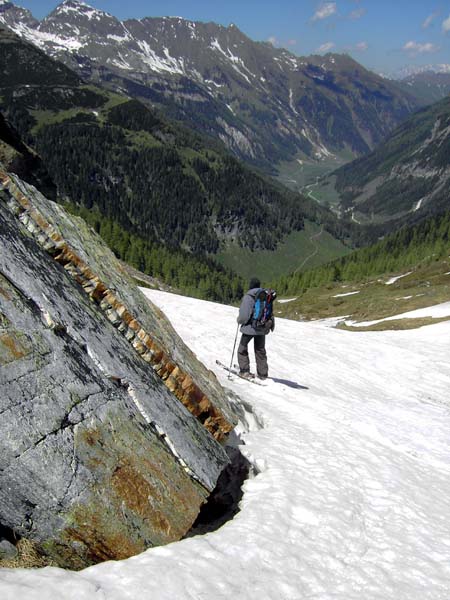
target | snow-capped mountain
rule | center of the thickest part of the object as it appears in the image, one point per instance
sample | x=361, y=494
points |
x=264, y=103
x=410, y=70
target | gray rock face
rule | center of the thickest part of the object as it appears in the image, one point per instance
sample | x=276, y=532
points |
x=98, y=458
x=7, y=550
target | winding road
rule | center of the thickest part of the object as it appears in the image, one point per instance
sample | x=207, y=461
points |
x=313, y=239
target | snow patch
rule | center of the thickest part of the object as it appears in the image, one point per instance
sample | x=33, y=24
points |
x=394, y=279
x=119, y=38
x=42, y=38
x=435, y=312
x=120, y=62
x=418, y=205
x=159, y=63
x=237, y=62
x=291, y=102
x=346, y=294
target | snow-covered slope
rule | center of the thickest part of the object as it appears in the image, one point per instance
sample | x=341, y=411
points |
x=352, y=501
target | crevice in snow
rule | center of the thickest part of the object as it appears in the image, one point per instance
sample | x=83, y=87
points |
x=223, y=502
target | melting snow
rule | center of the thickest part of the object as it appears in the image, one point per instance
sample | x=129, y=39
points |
x=437, y=311
x=394, y=279
x=158, y=63
x=353, y=498
x=346, y=294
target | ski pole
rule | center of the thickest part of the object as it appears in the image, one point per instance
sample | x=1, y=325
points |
x=232, y=355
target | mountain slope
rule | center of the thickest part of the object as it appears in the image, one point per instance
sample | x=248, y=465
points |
x=404, y=179
x=350, y=443
x=407, y=270
x=428, y=86
x=153, y=178
x=265, y=104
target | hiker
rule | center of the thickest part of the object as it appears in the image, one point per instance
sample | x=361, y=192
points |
x=252, y=330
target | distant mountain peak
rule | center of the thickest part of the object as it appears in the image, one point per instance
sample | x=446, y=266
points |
x=410, y=70
x=67, y=7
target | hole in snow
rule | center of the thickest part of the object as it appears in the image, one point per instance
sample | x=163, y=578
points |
x=223, y=503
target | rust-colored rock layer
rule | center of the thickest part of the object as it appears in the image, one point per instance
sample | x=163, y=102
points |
x=151, y=351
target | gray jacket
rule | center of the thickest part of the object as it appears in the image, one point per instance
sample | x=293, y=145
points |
x=246, y=312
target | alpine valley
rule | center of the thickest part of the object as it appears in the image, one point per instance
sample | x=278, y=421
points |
x=184, y=157
x=266, y=104
x=151, y=187
x=404, y=180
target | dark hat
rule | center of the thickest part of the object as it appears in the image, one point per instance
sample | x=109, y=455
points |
x=254, y=283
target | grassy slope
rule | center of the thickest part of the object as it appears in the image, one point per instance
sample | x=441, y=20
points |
x=301, y=172
x=290, y=254
x=427, y=285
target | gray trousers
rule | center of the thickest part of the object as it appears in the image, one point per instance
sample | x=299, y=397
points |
x=260, y=354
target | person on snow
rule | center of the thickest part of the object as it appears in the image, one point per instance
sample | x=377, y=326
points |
x=249, y=332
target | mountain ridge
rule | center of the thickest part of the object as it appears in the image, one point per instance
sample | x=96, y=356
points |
x=264, y=103
x=119, y=159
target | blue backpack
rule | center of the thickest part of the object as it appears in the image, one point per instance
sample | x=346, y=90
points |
x=263, y=307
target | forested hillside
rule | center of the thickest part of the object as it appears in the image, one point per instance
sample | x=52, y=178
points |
x=196, y=276
x=405, y=179
x=410, y=246
x=158, y=181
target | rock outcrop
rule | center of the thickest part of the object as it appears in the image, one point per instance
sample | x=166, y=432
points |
x=110, y=429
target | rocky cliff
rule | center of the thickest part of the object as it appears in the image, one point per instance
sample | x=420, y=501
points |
x=110, y=428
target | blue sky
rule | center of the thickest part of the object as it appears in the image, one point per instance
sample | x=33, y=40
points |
x=383, y=35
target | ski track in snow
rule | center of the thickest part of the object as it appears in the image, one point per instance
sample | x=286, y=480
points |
x=352, y=501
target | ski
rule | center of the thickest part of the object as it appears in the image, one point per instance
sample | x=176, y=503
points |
x=236, y=372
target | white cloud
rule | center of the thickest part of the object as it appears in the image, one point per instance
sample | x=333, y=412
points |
x=325, y=47
x=276, y=42
x=446, y=24
x=325, y=10
x=430, y=19
x=357, y=13
x=362, y=46
x=416, y=48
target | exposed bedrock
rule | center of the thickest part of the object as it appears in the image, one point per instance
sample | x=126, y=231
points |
x=110, y=429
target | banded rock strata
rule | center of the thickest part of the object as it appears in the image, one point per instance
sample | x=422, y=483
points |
x=110, y=429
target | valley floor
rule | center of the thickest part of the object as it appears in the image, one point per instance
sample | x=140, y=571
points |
x=352, y=500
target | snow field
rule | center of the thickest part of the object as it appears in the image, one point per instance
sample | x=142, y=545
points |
x=352, y=497
x=437, y=311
